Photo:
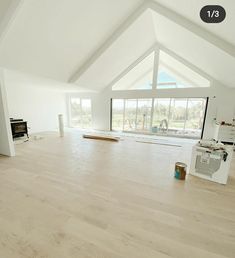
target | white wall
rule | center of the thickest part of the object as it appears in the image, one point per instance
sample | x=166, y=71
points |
x=221, y=107
x=36, y=100
x=6, y=142
x=100, y=108
x=221, y=103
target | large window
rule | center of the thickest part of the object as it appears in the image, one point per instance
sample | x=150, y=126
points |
x=143, y=118
x=80, y=113
x=168, y=72
x=163, y=116
x=177, y=116
x=130, y=115
x=195, y=115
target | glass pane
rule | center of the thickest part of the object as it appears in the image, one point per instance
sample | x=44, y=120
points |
x=86, y=113
x=80, y=113
x=177, y=116
x=139, y=78
x=160, y=115
x=130, y=115
x=174, y=74
x=117, y=114
x=195, y=117
x=174, y=117
x=143, y=115
x=75, y=112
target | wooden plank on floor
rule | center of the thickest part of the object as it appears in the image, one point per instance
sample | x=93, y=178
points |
x=103, y=137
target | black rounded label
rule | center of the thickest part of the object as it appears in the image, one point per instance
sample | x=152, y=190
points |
x=212, y=14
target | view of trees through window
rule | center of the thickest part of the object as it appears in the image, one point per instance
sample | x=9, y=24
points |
x=169, y=116
x=80, y=112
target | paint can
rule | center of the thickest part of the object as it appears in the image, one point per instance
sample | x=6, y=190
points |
x=180, y=170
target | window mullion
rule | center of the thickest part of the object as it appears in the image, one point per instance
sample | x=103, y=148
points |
x=155, y=69
x=151, y=117
x=136, y=113
x=124, y=110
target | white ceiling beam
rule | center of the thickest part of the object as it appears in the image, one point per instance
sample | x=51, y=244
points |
x=193, y=27
x=133, y=65
x=156, y=48
x=169, y=14
x=155, y=67
x=9, y=17
x=127, y=23
x=186, y=63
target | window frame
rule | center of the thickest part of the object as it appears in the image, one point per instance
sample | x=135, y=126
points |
x=81, y=113
x=153, y=101
x=156, y=49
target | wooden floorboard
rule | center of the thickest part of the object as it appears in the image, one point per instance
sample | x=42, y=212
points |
x=71, y=198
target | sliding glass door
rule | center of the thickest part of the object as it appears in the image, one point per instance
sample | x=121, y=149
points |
x=80, y=113
x=133, y=115
x=177, y=116
x=195, y=116
x=143, y=115
x=163, y=116
x=130, y=115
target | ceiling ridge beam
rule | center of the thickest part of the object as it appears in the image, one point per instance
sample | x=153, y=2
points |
x=194, y=28
x=9, y=17
x=164, y=11
x=107, y=43
x=159, y=47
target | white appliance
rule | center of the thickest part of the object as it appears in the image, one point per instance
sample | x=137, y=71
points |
x=211, y=163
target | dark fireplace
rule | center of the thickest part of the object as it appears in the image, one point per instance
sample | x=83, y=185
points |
x=18, y=128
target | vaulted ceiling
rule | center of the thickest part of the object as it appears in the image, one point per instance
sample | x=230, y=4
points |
x=190, y=9
x=4, y=5
x=91, y=42
x=53, y=38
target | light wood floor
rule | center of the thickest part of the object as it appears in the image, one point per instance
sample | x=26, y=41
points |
x=79, y=198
